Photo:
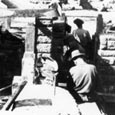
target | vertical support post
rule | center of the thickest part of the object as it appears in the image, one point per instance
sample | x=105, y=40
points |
x=99, y=28
x=7, y=22
x=29, y=56
x=30, y=38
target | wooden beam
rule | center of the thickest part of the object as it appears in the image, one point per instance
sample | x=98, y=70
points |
x=34, y=12
x=13, y=97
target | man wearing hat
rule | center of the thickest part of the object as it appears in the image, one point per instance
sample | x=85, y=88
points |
x=82, y=36
x=84, y=76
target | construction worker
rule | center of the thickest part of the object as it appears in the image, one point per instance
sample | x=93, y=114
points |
x=84, y=76
x=84, y=82
x=82, y=36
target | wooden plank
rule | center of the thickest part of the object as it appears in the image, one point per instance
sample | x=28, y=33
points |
x=44, y=47
x=34, y=12
x=12, y=99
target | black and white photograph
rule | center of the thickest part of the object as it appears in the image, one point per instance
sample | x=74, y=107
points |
x=57, y=57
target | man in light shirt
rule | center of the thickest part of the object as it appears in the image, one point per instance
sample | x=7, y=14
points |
x=84, y=76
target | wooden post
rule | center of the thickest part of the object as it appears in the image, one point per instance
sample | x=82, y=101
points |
x=99, y=28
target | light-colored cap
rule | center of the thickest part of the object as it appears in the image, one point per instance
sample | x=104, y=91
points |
x=77, y=53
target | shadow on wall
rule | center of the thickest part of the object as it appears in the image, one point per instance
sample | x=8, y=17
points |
x=11, y=52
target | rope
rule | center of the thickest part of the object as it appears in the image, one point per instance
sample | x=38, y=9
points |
x=4, y=88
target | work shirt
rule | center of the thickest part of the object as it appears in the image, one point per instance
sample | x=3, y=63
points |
x=82, y=36
x=84, y=77
x=84, y=39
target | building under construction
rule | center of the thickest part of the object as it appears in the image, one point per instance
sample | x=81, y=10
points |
x=27, y=35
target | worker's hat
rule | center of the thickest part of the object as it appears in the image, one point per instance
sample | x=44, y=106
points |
x=77, y=53
x=78, y=21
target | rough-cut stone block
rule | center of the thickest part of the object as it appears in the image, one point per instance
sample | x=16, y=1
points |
x=107, y=36
x=106, y=53
x=111, y=45
x=103, y=39
x=110, y=37
x=44, y=39
x=43, y=54
x=107, y=40
x=43, y=47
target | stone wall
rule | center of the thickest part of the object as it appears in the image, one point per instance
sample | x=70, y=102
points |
x=106, y=61
x=11, y=51
x=49, y=38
